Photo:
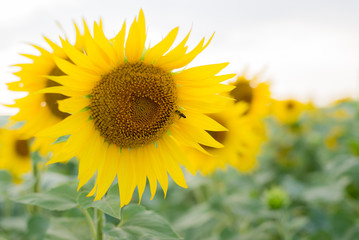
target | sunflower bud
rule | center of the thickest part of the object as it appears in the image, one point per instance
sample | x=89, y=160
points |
x=276, y=198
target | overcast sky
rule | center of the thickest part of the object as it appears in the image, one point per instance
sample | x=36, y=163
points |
x=308, y=49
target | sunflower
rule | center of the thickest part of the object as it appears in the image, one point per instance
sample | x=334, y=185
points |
x=256, y=94
x=288, y=111
x=40, y=110
x=131, y=113
x=240, y=142
x=14, y=154
x=250, y=91
x=333, y=137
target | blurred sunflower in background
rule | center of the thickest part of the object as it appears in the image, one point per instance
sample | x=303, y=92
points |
x=240, y=143
x=253, y=92
x=131, y=114
x=40, y=110
x=14, y=154
x=246, y=130
x=288, y=111
x=256, y=93
x=333, y=136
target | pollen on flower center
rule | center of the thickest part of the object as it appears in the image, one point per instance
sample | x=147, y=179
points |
x=52, y=98
x=242, y=92
x=134, y=105
x=22, y=148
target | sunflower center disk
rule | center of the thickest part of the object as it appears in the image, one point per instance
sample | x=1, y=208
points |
x=22, y=148
x=134, y=105
x=242, y=92
x=52, y=98
x=290, y=105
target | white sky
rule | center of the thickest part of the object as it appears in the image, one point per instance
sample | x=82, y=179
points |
x=310, y=49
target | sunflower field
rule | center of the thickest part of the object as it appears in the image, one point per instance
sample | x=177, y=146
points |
x=120, y=139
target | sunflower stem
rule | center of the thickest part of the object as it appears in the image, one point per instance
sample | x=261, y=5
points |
x=89, y=221
x=8, y=207
x=100, y=222
x=36, y=177
x=36, y=174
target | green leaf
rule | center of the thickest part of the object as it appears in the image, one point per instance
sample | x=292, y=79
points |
x=47, y=201
x=5, y=177
x=139, y=223
x=36, y=157
x=117, y=233
x=326, y=193
x=67, y=190
x=110, y=204
x=60, y=198
x=85, y=109
x=64, y=228
x=61, y=139
x=17, y=125
x=37, y=227
x=14, y=224
x=4, y=120
x=6, y=185
x=83, y=201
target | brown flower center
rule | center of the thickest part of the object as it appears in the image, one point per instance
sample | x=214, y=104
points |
x=290, y=105
x=242, y=92
x=52, y=98
x=134, y=105
x=22, y=148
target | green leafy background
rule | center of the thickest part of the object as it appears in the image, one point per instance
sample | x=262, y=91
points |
x=306, y=187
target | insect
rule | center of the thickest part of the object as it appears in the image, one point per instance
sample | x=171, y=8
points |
x=180, y=114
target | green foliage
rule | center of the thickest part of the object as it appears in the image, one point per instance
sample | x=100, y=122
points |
x=276, y=198
x=5, y=182
x=37, y=226
x=135, y=223
x=139, y=223
x=109, y=205
x=62, y=139
x=68, y=228
x=60, y=198
x=307, y=187
x=3, y=120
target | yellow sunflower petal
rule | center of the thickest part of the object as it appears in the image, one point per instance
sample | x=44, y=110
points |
x=66, y=126
x=105, y=44
x=80, y=59
x=89, y=158
x=200, y=73
x=73, y=105
x=174, y=169
x=136, y=39
x=125, y=176
x=157, y=164
x=186, y=59
x=118, y=43
x=160, y=48
x=107, y=171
